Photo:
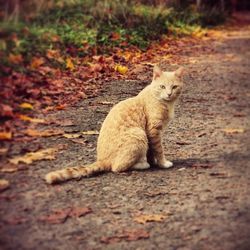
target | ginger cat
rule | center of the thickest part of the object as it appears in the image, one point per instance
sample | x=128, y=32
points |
x=130, y=136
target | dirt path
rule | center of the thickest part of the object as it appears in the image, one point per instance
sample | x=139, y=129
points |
x=203, y=201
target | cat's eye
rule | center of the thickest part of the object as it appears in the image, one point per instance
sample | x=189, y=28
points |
x=175, y=87
x=162, y=87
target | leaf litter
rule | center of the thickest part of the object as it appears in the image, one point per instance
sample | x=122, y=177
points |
x=61, y=215
x=28, y=158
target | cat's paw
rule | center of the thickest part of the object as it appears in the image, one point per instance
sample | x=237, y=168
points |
x=141, y=165
x=166, y=164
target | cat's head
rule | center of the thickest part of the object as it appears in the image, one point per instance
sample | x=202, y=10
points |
x=167, y=86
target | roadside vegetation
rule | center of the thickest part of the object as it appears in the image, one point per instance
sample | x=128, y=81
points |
x=82, y=27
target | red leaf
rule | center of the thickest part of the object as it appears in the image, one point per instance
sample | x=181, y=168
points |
x=59, y=216
x=6, y=110
x=80, y=211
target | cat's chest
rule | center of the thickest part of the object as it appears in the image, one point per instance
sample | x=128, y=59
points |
x=170, y=111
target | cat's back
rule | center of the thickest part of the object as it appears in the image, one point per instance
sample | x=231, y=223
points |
x=129, y=112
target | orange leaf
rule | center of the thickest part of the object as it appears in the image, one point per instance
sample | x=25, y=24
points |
x=27, y=118
x=16, y=59
x=142, y=219
x=115, y=36
x=233, y=130
x=44, y=154
x=51, y=54
x=26, y=105
x=69, y=64
x=44, y=133
x=36, y=62
x=5, y=135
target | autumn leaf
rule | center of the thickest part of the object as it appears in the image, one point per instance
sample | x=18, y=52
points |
x=5, y=135
x=36, y=62
x=27, y=118
x=44, y=154
x=60, y=107
x=121, y=69
x=142, y=219
x=80, y=211
x=8, y=168
x=26, y=105
x=3, y=151
x=72, y=136
x=60, y=215
x=15, y=59
x=79, y=141
x=106, y=103
x=52, y=54
x=6, y=110
x=57, y=217
x=90, y=132
x=69, y=64
x=115, y=36
x=4, y=184
x=43, y=133
x=233, y=130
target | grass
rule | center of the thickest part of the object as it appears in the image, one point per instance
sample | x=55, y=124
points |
x=85, y=27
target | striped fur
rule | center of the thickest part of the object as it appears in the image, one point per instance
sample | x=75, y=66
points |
x=130, y=136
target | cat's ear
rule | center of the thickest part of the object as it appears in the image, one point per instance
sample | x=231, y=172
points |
x=179, y=72
x=157, y=72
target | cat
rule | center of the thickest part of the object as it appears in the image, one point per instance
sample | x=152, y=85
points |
x=130, y=136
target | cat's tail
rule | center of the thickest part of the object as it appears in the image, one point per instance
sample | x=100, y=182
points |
x=75, y=172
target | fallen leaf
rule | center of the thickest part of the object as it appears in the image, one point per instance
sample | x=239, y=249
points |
x=5, y=135
x=80, y=141
x=57, y=217
x=27, y=118
x=60, y=215
x=6, y=110
x=90, y=132
x=115, y=36
x=8, y=168
x=80, y=211
x=128, y=235
x=52, y=54
x=61, y=107
x=3, y=151
x=44, y=154
x=4, y=184
x=142, y=219
x=16, y=59
x=233, y=130
x=43, y=133
x=26, y=105
x=36, y=62
x=106, y=103
x=121, y=69
x=71, y=136
x=69, y=64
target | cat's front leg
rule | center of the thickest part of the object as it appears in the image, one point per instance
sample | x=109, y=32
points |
x=156, y=152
